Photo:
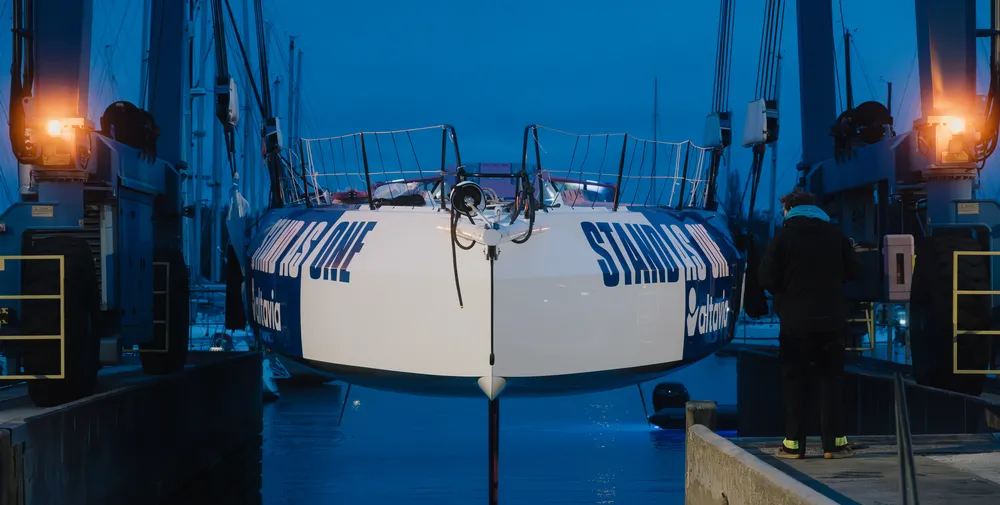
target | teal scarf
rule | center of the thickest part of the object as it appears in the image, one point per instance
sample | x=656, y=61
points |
x=810, y=211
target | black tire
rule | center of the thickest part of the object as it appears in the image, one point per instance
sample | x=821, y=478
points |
x=931, y=314
x=667, y=395
x=82, y=303
x=177, y=337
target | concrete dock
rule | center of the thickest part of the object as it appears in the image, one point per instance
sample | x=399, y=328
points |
x=950, y=469
x=139, y=439
x=955, y=444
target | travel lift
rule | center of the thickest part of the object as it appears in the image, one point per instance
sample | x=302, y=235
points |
x=915, y=191
x=92, y=242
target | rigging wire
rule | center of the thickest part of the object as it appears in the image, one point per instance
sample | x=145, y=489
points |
x=156, y=64
x=303, y=114
x=723, y=62
x=840, y=86
x=864, y=71
x=906, y=86
x=110, y=58
x=246, y=60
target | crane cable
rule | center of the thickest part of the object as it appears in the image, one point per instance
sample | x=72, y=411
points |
x=22, y=73
x=770, y=44
x=767, y=86
x=720, y=91
x=989, y=142
x=723, y=56
x=222, y=79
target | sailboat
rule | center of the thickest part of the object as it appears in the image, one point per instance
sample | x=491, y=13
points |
x=446, y=278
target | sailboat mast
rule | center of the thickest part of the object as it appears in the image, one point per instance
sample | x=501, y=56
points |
x=249, y=175
x=298, y=98
x=290, y=122
x=656, y=121
x=197, y=165
x=144, y=54
x=774, y=159
x=219, y=155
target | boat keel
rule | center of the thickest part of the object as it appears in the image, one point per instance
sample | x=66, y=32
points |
x=494, y=450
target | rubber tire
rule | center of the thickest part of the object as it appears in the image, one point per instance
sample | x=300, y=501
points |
x=931, y=314
x=162, y=363
x=667, y=395
x=82, y=303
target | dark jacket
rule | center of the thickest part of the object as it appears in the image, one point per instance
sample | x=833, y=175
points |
x=805, y=267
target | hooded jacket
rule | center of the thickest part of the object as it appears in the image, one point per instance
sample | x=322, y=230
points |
x=806, y=265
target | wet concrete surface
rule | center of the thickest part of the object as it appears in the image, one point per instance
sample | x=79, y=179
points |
x=393, y=448
x=950, y=469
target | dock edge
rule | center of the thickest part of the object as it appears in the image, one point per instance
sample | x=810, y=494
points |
x=718, y=472
x=140, y=441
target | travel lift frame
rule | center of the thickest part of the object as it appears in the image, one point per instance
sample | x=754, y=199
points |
x=919, y=184
x=86, y=202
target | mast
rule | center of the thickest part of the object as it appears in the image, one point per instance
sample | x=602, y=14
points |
x=196, y=131
x=291, y=93
x=144, y=54
x=271, y=130
x=249, y=176
x=215, y=251
x=849, y=90
x=774, y=161
x=656, y=120
x=277, y=97
x=298, y=100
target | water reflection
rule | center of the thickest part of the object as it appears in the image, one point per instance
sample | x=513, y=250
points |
x=235, y=481
x=585, y=449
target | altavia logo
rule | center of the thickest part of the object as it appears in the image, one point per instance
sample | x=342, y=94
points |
x=707, y=315
x=266, y=313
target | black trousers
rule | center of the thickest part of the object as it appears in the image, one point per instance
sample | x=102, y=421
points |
x=808, y=359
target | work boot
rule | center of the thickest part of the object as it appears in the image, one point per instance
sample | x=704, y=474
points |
x=790, y=449
x=841, y=451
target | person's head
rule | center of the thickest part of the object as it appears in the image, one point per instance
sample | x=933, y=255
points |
x=797, y=197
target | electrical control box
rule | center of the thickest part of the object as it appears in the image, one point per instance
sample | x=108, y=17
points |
x=898, y=253
x=761, y=126
x=718, y=130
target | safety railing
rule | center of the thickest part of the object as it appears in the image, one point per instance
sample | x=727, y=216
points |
x=355, y=166
x=635, y=171
x=869, y=321
x=61, y=296
x=954, y=310
x=161, y=270
x=207, y=322
x=904, y=444
x=643, y=173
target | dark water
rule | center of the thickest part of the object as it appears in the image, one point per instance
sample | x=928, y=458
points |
x=391, y=448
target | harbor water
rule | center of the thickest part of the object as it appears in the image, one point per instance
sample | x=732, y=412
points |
x=390, y=448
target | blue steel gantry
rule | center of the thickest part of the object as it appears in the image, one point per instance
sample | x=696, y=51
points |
x=917, y=186
x=90, y=255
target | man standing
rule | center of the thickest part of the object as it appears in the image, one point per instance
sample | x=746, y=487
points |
x=806, y=265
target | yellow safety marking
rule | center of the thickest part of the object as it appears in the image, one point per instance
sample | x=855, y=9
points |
x=61, y=337
x=869, y=319
x=164, y=322
x=955, y=293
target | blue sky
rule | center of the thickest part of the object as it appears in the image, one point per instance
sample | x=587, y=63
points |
x=490, y=68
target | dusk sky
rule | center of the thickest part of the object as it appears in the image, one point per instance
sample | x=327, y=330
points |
x=490, y=68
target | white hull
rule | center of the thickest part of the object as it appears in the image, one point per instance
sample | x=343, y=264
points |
x=553, y=315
